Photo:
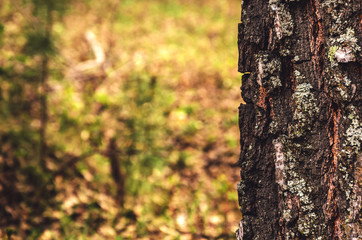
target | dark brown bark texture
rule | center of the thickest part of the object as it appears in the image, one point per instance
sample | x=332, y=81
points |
x=301, y=126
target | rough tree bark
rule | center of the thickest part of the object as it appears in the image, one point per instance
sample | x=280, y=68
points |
x=301, y=126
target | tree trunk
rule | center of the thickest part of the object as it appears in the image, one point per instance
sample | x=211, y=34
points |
x=117, y=173
x=44, y=89
x=301, y=126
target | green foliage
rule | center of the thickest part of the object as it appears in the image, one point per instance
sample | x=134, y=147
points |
x=10, y=232
x=38, y=43
x=2, y=29
x=41, y=7
x=145, y=104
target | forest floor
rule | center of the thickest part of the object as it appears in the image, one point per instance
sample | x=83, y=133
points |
x=164, y=84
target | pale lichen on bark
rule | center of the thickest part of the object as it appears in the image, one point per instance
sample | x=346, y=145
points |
x=297, y=203
x=344, y=48
x=279, y=163
x=283, y=22
x=350, y=166
x=305, y=110
x=348, y=47
x=268, y=71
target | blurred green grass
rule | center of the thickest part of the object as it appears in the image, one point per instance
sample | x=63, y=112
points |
x=168, y=92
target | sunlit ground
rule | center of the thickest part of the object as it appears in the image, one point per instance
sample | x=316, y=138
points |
x=159, y=77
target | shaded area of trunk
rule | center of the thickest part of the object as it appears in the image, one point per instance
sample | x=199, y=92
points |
x=301, y=126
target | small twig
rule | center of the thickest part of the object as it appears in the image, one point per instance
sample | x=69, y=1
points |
x=98, y=51
x=73, y=160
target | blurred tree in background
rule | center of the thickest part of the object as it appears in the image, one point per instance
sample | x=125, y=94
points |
x=118, y=119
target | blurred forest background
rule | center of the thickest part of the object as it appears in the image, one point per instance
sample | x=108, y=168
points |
x=118, y=119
